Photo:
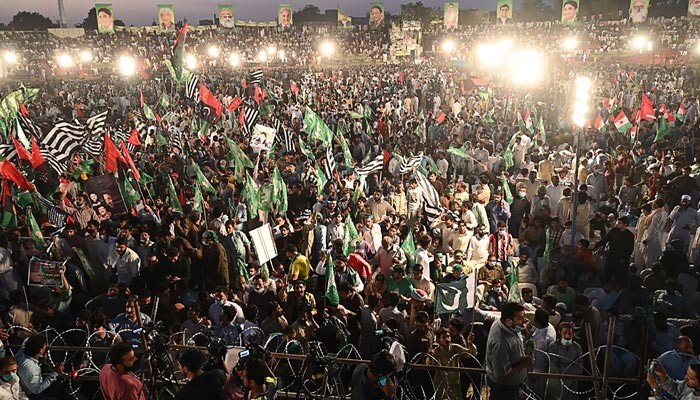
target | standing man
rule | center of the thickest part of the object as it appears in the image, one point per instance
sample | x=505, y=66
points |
x=116, y=380
x=684, y=222
x=506, y=360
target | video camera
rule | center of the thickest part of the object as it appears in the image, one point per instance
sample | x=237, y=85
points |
x=254, y=350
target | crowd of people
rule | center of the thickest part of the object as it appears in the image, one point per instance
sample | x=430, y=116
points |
x=402, y=180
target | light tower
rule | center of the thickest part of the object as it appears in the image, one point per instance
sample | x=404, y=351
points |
x=61, y=14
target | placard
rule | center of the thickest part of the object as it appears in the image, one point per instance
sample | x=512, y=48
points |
x=44, y=273
x=264, y=243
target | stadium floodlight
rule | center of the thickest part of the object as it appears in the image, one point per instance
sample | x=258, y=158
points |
x=650, y=46
x=271, y=50
x=640, y=42
x=448, y=46
x=213, y=51
x=64, y=60
x=127, y=65
x=10, y=57
x=582, y=98
x=527, y=67
x=85, y=56
x=235, y=60
x=262, y=56
x=490, y=55
x=327, y=49
x=281, y=54
x=190, y=61
x=569, y=43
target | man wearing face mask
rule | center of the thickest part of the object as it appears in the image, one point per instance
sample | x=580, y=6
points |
x=506, y=359
x=124, y=262
x=9, y=380
x=520, y=208
x=565, y=352
x=116, y=380
x=684, y=220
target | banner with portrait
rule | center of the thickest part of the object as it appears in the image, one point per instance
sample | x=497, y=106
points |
x=284, y=16
x=450, y=14
x=504, y=12
x=376, y=15
x=693, y=8
x=105, y=197
x=44, y=272
x=105, y=17
x=344, y=20
x=166, y=18
x=569, y=12
x=638, y=11
x=226, y=17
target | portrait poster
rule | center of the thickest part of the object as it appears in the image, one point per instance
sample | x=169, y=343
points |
x=639, y=10
x=504, y=12
x=451, y=14
x=166, y=17
x=105, y=197
x=344, y=20
x=105, y=17
x=376, y=15
x=44, y=272
x=569, y=12
x=226, y=17
x=693, y=8
x=284, y=16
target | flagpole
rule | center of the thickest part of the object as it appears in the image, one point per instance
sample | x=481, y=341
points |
x=574, y=210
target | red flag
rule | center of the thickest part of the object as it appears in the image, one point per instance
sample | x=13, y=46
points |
x=257, y=95
x=234, y=104
x=130, y=162
x=401, y=77
x=37, y=158
x=647, y=110
x=244, y=84
x=241, y=117
x=461, y=87
x=22, y=151
x=134, y=138
x=9, y=172
x=143, y=101
x=112, y=155
x=210, y=100
x=294, y=88
x=23, y=110
x=441, y=117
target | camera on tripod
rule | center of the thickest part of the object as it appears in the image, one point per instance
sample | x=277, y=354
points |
x=252, y=351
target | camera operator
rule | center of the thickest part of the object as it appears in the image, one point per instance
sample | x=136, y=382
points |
x=374, y=380
x=116, y=380
x=31, y=378
x=663, y=386
x=251, y=379
x=200, y=384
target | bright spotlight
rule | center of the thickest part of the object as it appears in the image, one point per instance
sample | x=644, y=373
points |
x=583, y=84
x=64, y=60
x=85, y=56
x=262, y=56
x=506, y=43
x=527, y=67
x=235, y=60
x=281, y=54
x=650, y=46
x=570, y=43
x=190, y=61
x=448, y=46
x=582, y=99
x=127, y=65
x=10, y=57
x=639, y=42
x=327, y=49
x=271, y=50
x=490, y=55
x=213, y=51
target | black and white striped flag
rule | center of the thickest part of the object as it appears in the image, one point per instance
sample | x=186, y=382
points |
x=410, y=164
x=8, y=151
x=28, y=126
x=283, y=135
x=192, y=87
x=430, y=195
x=61, y=143
x=330, y=165
x=94, y=146
x=56, y=216
x=58, y=166
x=255, y=76
x=309, y=175
x=176, y=139
x=95, y=125
x=371, y=167
x=251, y=116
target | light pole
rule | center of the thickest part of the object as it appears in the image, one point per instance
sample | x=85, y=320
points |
x=581, y=108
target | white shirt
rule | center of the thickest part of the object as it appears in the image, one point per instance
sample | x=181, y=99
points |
x=216, y=311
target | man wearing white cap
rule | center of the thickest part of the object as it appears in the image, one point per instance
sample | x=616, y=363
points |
x=684, y=221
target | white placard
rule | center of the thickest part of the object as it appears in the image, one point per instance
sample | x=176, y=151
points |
x=263, y=137
x=264, y=243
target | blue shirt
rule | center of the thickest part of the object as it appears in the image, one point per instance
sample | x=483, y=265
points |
x=676, y=364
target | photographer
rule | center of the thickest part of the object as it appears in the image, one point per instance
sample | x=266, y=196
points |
x=251, y=379
x=31, y=379
x=200, y=384
x=374, y=380
x=662, y=386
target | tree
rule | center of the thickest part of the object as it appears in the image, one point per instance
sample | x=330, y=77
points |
x=418, y=12
x=30, y=21
x=309, y=13
x=536, y=10
x=90, y=22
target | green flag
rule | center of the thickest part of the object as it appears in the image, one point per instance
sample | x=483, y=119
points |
x=409, y=248
x=202, y=180
x=172, y=194
x=148, y=113
x=488, y=119
x=540, y=129
x=164, y=101
x=332, y=294
x=131, y=196
x=34, y=230
x=507, y=195
x=86, y=264
x=508, y=153
x=368, y=112
x=316, y=128
x=662, y=129
x=280, y=191
x=347, y=156
x=514, y=294
x=451, y=297
x=321, y=179
x=355, y=115
x=459, y=152
x=198, y=198
x=266, y=197
x=250, y=193
x=350, y=236
x=305, y=150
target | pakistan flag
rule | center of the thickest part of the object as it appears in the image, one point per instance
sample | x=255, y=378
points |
x=451, y=297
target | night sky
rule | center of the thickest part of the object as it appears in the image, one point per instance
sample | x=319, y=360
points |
x=140, y=12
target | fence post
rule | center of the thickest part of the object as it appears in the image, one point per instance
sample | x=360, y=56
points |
x=608, y=349
x=591, y=356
